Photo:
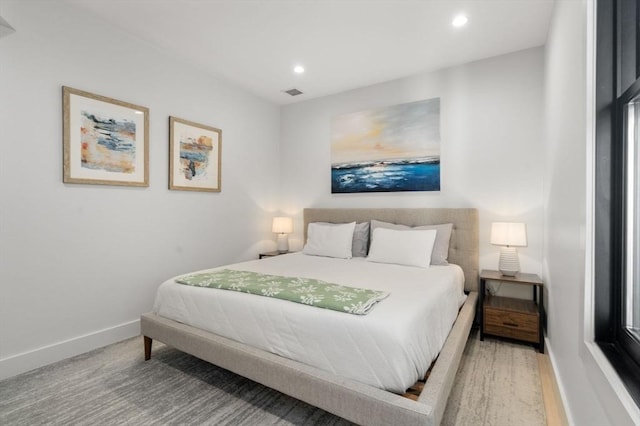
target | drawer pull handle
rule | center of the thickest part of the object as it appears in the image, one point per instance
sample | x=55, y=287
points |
x=510, y=324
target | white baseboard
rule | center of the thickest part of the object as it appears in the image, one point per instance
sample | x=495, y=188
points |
x=20, y=363
x=561, y=388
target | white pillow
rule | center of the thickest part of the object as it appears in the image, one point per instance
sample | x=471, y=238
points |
x=360, y=242
x=405, y=247
x=440, y=252
x=331, y=240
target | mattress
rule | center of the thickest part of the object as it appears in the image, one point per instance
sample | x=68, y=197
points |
x=390, y=348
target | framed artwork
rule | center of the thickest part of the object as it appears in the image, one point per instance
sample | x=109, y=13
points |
x=106, y=141
x=390, y=149
x=194, y=156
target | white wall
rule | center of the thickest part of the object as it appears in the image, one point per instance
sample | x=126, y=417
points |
x=491, y=150
x=80, y=263
x=589, y=397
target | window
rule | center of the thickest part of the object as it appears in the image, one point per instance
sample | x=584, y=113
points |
x=617, y=189
x=631, y=138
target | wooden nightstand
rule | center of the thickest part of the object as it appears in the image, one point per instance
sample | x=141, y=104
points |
x=513, y=318
x=272, y=253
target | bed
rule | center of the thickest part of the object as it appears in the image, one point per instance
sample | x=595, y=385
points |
x=350, y=394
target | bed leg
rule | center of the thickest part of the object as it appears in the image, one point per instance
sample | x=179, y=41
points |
x=147, y=348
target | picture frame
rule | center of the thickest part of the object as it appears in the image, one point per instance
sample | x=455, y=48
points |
x=105, y=141
x=194, y=156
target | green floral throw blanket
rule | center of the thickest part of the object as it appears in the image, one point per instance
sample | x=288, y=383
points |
x=358, y=301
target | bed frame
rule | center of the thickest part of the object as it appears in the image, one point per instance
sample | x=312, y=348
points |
x=347, y=398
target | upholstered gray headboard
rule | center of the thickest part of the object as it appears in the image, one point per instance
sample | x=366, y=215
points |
x=463, y=247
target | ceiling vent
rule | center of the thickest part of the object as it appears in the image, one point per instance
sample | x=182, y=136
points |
x=293, y=92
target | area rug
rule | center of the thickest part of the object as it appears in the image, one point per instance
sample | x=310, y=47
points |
x=498, y=384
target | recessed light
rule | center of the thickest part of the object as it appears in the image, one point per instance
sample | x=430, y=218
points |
x=298, y=69
x=459, y=21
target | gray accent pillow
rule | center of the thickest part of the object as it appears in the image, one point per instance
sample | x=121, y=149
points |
x=440, y=251
x=360, y=243
x=360, y=240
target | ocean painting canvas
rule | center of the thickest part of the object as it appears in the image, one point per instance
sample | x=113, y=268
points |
x=390, y=149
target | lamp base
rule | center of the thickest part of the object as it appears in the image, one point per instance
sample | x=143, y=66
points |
x=509, y=264
x=283, y=243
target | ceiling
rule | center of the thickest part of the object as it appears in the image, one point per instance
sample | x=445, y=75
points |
x=343, y=44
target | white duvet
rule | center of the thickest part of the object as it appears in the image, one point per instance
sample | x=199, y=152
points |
x=390, y=348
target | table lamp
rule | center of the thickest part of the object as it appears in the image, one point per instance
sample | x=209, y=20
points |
x=509, y=235
x=282, y=226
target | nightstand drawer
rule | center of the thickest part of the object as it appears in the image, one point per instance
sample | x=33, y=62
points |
x=516, y=325
x=515, y=318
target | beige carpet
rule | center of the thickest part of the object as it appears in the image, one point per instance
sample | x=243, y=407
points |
x=497, y=384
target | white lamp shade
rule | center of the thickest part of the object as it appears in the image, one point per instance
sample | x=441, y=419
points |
x=510, y=234
x=282, y=225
